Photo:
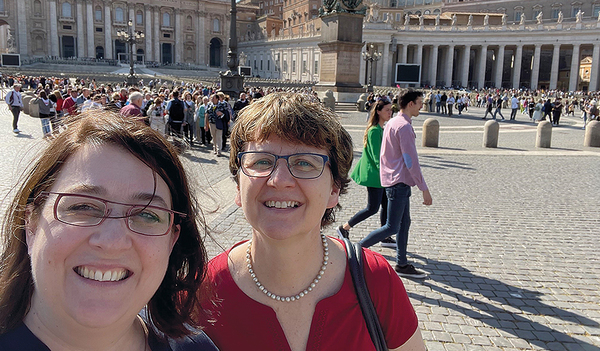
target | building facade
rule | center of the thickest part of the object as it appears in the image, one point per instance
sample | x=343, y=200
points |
x=175, y=31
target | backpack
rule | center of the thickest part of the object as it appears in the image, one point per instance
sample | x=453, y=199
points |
x=176, y=110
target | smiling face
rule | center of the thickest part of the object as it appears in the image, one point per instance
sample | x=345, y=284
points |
x=281, y=206
x=97, y=276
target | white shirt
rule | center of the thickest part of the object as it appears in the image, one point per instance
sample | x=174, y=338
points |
x=514, y=102
x=16, y=96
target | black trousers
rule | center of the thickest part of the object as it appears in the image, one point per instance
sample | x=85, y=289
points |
x=16, y=111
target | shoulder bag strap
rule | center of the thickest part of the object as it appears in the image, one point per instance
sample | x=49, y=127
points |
x=355, y=264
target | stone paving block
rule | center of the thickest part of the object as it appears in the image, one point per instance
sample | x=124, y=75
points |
x=442, y=336
x=556, y=346
x=435, y=346
x=469, y=330
x=454, y=347
x=481, y=340
x=520, y=343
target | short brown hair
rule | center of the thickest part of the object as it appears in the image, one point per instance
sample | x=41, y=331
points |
x=295, y=118
x=171, y=307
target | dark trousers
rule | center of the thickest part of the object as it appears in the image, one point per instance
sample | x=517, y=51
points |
x=450, y=109
x=204, y=135
x=188, y=131
x=375, y=198
x=16, y=110
x=175, y=128
x=556, y=117
x=225, y=132
x=444, y=108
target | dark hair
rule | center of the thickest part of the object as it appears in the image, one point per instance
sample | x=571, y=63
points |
x=374, y=117
x=295, y=118
x=409, y=96
x=175, y=93
x=171, y=307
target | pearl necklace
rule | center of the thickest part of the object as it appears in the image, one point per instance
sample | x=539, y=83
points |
x=303, y=292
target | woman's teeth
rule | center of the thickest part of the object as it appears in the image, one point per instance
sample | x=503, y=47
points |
x=281, y=204
x=108, y=276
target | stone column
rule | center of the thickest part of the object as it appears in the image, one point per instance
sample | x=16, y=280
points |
x=404, y=53
x=157, y=38
x=420, y=59
x=108, y=52
x=148, y=32
x=386, y=65
x=80, y=31
x=574, y=74
x=54, y=45
x=201, y=60
x=363, y=77
x=91, y=48
x=499, y=67
x=178, y=36
x=594, y=72
x=22, y=29
x=517, y=67
x=535, y=73
x=482, y=63
x=433, y=65
x=449, y=65
x=554, y=69
x=465, y=68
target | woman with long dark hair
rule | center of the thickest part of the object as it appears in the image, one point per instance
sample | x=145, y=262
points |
x=366, y=172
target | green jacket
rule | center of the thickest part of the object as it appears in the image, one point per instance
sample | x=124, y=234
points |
x=366, y=172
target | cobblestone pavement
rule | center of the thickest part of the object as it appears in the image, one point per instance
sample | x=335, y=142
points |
x=510, y=242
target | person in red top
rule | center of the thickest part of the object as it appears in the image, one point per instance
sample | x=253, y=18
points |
x=288, y=287
x=135, y=103
x=70, y=104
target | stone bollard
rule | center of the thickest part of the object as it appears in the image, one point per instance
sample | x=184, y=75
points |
x=34, y=108
x=592, y=134
x=490, y=133
x=26, y=100
x=544, y=134
x=360, y=103
x=431, y=132
x=329, y=100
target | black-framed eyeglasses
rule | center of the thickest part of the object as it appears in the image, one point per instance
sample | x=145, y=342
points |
x=304, y=165
x=89, y=211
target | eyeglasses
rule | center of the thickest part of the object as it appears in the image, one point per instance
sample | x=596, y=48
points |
x=301, y=165
x=90, y=211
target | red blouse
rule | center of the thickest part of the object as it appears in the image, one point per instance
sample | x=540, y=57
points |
x=241, y=323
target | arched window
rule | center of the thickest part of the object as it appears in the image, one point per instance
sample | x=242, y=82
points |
x=1, y=5
x=37, y=8
x=66, y=10
x=166, y=19
x=119, y=15
x=188, y=22
x=216, y=25
x=98, y=14
x=139, y=18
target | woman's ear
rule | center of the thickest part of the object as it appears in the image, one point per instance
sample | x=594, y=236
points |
x=238, y=197
x=334, y=197
x=29, y=227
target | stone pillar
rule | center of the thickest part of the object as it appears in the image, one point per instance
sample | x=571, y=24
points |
x=449, y=65
x=554, y=69
x=535, y=73
x=404, y=53
x=499, y=67
x=420, y=59
x=201, y=60
x=482, y=63
x=517, y=67
x=431, y=133
x=594, y=71
x=433, y=63
x=465, y=68
x=22, y=29
x=178, y=38
x=132, y=19
x=157, y=57
x=108, y=52
x=148, y=32
x=54, y=45
x=91, y=47
x=386, y=65
x=80, y=31
x=574, y=74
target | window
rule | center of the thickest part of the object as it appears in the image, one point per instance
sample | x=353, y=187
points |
x=188, y=22
x=555, y=13
x=595, y=11
x=66, y=10
x=119, y=15
x=98, y=14
x=99, y=29
x=216, y=25
x=536, y=12
x=166, y=19
x=268, y=64
x=293, y=63
x=577, y=9
x=1, y=5
x=139, y=18
x=518, y=14
x=397, y=17
x=316, y=66
x=66, y=27
x=37, y=8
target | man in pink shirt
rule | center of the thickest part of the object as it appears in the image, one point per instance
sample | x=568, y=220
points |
x=399, y=171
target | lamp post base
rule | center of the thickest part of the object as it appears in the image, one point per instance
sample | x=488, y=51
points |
x=132, y=80
x=232, y=84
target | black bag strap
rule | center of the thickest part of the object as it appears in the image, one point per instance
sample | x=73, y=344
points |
x=355, y=264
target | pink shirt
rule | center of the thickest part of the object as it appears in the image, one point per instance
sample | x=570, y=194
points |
x=398, y=161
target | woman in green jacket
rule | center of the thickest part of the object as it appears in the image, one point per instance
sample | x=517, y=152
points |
x=366, y=172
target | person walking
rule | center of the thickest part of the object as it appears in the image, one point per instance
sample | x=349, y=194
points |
x=15, y=103
x=450, y=103
x=399, y=171
x=556, y=111
x=548, y=110
x=498, y=107
x=488, y=107
x=366, y=172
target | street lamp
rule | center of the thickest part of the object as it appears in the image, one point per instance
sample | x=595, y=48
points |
x=370, y=55
x=232, y=83
x=131, y=37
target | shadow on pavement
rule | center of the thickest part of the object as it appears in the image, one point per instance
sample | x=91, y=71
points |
x=430, y=161
x=24, y=136
x=463, y=286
